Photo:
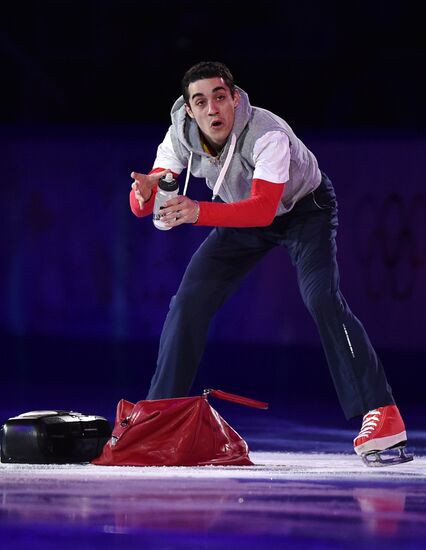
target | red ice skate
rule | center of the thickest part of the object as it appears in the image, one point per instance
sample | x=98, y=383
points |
x=382, y=434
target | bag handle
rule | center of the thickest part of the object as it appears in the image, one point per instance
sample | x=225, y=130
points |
x=236, y=399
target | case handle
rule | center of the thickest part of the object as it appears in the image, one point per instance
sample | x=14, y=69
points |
x=236, y=399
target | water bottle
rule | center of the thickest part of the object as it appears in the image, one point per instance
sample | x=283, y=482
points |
x=167, y=189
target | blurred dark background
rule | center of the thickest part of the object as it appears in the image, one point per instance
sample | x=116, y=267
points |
x=85, y=98
x=326, y=65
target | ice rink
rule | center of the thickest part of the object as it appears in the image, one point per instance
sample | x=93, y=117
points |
x=315, y=494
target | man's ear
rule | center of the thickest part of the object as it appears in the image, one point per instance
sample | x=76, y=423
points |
x=188, y=110
x=236, y=98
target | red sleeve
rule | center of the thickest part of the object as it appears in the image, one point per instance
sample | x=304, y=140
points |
x=148, y=205
x=257, y=211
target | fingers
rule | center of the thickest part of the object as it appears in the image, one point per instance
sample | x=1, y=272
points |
x=139, y=198
x=135, y=187
x=138, y=180
x=154, y=176
x=176, y=201
x=142, y=186
x=137, y=176
x=146, y=183
x=157, y=175
x=178, y=211
x=174, y=206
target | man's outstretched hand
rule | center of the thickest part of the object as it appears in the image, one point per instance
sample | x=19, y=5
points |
x=143, y=185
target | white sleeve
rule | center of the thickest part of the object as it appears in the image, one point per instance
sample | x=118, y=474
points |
x=271, y=156
x=166, y=156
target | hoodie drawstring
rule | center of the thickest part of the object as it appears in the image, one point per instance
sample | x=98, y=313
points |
x=188, y=173
x=222, y=173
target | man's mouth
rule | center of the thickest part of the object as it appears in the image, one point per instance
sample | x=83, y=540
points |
x=216, y=124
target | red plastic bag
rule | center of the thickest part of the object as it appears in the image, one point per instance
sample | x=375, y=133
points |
x=183, y=431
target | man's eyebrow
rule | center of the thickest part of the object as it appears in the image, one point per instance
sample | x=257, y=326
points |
x=199, y=94
x=218, y=88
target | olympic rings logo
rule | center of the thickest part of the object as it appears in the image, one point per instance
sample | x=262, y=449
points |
x=390, y=244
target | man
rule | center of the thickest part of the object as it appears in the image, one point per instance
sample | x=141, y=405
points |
x=267, y=191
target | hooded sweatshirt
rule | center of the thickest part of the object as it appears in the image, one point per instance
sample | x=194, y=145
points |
x=261, y=157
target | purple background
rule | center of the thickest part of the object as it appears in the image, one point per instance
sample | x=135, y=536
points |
x=77, y=262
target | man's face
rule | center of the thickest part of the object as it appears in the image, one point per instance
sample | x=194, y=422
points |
x=212, y=107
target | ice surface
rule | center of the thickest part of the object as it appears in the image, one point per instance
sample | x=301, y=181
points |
x=306, y=490
x=268, y=466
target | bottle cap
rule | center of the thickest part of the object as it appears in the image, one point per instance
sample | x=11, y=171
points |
x=168, y=183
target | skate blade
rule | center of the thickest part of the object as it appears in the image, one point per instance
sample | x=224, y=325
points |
x=386, y=457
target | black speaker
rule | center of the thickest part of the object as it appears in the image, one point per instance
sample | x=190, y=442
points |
x=53, y=437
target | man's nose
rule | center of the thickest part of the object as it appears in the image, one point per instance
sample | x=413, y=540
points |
x=213, y=110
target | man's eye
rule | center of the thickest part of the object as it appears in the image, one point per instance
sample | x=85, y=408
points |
x=220, y=97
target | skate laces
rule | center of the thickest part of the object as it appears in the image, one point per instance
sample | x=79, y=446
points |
x=369, y=423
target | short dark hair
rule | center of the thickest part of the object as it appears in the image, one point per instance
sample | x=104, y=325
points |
x=207, y=69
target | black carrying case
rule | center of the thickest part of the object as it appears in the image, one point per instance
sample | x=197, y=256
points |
x=53, y=437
